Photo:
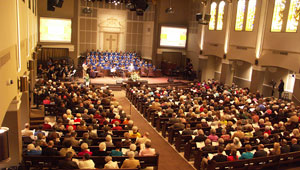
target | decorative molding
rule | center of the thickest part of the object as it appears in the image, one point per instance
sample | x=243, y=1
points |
x=70, y=46
x=161, y=50
x=224, y=61
x=14, y=105
x=203, y=57
x=241, y=78
x=4, y=59
x=258, y=68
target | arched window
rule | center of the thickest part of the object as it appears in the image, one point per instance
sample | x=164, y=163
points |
x=240, y=15
x=293, y=17
x=250, y=15
x=277, y=21
x=213, y=11
x=220, y=15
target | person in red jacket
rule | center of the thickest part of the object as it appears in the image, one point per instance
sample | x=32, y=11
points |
x=46, y=124
x=117, y=126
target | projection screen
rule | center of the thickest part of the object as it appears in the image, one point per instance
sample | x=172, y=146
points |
x=55, y=30
x=173, y=37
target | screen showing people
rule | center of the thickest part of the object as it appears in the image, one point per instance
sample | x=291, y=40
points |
x=173, y=37
x=55, y=30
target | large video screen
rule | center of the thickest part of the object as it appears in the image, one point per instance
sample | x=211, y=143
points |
x=173, y=37
x=55, y=30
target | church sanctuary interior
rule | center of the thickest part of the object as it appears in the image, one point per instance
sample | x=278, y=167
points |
x=150, y=84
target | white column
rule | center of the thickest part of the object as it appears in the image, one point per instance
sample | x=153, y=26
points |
x=228, y=28
x=261, y=27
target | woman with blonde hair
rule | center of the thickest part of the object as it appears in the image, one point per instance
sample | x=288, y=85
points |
x=276, y=149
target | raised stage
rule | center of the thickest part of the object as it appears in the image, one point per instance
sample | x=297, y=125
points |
x=119, y=80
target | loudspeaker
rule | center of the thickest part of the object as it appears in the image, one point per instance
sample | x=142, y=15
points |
x=23, y=84
x=50, y=5
x=60, y=3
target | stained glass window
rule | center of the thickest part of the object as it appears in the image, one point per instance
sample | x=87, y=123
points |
x=278, y=15
x=250, y=15
x=213, y=11
x=293, y=17
x=240, y=15
x=220, y=15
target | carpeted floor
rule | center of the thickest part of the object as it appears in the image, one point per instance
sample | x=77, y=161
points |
x=169, y=159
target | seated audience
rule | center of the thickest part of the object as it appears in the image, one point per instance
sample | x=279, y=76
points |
x=32, y=150
x=67, y=163
x=260, y=152
x=84, y=150
x=49, y=150
x=247, y=154
x=86, y=162
x=110, y=164
x=148, y=151
x=131, y=162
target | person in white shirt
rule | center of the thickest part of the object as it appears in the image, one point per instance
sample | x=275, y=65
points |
x=27, y=132
x=86, y=162
x=110, y=164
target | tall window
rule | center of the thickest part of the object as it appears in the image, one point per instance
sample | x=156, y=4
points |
x=250, y=15
x=220, y=15
x=213, y=11
x=278, y=15
x=240, y=15
x=293, y=17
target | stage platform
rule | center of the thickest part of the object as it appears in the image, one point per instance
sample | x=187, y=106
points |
x=118, y=80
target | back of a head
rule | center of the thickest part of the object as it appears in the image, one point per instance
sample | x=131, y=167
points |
x=73, y=134
x=69, y=155
x=148, y=144
x=84, y=146
x=86, y=156
x=67, y=144
x=248, y=147
x=130, y=154
x=220, y=149
x=108, y=158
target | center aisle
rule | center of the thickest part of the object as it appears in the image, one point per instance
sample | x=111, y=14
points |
x=169, y=159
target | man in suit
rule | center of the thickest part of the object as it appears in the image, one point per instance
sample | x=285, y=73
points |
x=295, y=146
x=220, y=157
x=284, y=147
x=67, y=163
x=280, y=88
x=72, y=138
x=49, y=150
x=131, y=163
x=260, y=151
x=187, y=130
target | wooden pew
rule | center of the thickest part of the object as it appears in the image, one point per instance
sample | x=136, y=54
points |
x=51, y=162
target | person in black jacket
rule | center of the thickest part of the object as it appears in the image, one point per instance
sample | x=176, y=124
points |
x=260, y=151
x=67, y=163
x=295, y=146
x=284, y=147
x=280, y=88
x=49, y=150
x=220, y=157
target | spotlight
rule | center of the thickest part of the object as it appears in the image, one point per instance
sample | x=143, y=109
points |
x=170, y=10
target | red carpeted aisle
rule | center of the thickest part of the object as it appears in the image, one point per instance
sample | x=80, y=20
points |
x=169, y=158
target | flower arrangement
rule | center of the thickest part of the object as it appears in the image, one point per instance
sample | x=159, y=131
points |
x=134, y=76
